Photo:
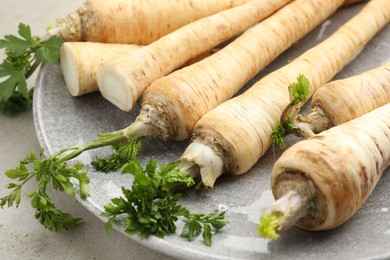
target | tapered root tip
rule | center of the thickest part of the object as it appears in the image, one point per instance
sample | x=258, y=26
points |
x=113, y=87
x=69, y=69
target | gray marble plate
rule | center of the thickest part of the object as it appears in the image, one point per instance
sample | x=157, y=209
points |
x=62, y=121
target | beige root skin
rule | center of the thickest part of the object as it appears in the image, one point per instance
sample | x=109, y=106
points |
x=136, y=73
x=257, y=111
x=343, y=100
x=199, y=160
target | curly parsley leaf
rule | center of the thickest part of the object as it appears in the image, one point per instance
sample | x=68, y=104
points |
x=281, y=131
x=124, y=152
x=300, y=90
x=151, y=207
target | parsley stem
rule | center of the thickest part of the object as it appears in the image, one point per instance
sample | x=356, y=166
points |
x=32, y=69
x=132, y=132
x=286, y=112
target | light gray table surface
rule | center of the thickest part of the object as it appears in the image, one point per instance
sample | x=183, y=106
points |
x=21, y=236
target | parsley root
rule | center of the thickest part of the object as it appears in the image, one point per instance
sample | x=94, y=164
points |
x=184, y=96
x=114, y=21
x=320, y=182
x=343, y=100
x=122, y=80
x=81, y=60
x=159, y=120
x=256, y=112
x=136, y=22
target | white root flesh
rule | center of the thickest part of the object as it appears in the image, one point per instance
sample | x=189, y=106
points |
x=114, y=88
x=81, y=60
x=199, y=160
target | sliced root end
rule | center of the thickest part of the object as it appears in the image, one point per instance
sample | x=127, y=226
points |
x=69, y=69
x=114, y=88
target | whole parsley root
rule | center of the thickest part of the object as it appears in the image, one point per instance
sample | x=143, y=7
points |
x=319, y=183
x=342, y=100
x=253, y=115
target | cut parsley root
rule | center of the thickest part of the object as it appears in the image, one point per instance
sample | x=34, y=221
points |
x=319, y=183
x=115, y=21
x=81, y=60
x=256, y=113
x=343, y=100
x=122, y=80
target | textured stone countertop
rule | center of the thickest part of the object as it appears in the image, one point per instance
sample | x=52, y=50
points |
x=21, y=236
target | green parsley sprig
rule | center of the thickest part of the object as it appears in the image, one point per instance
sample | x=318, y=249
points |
x=24, y=54
x=56, y=171
x=51, y=170
x=299, y=91
x=151, y=207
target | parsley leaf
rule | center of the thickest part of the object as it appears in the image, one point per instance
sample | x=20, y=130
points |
x=24, y=55
x=49, y=51
x=300, y=90
x=51, y=170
